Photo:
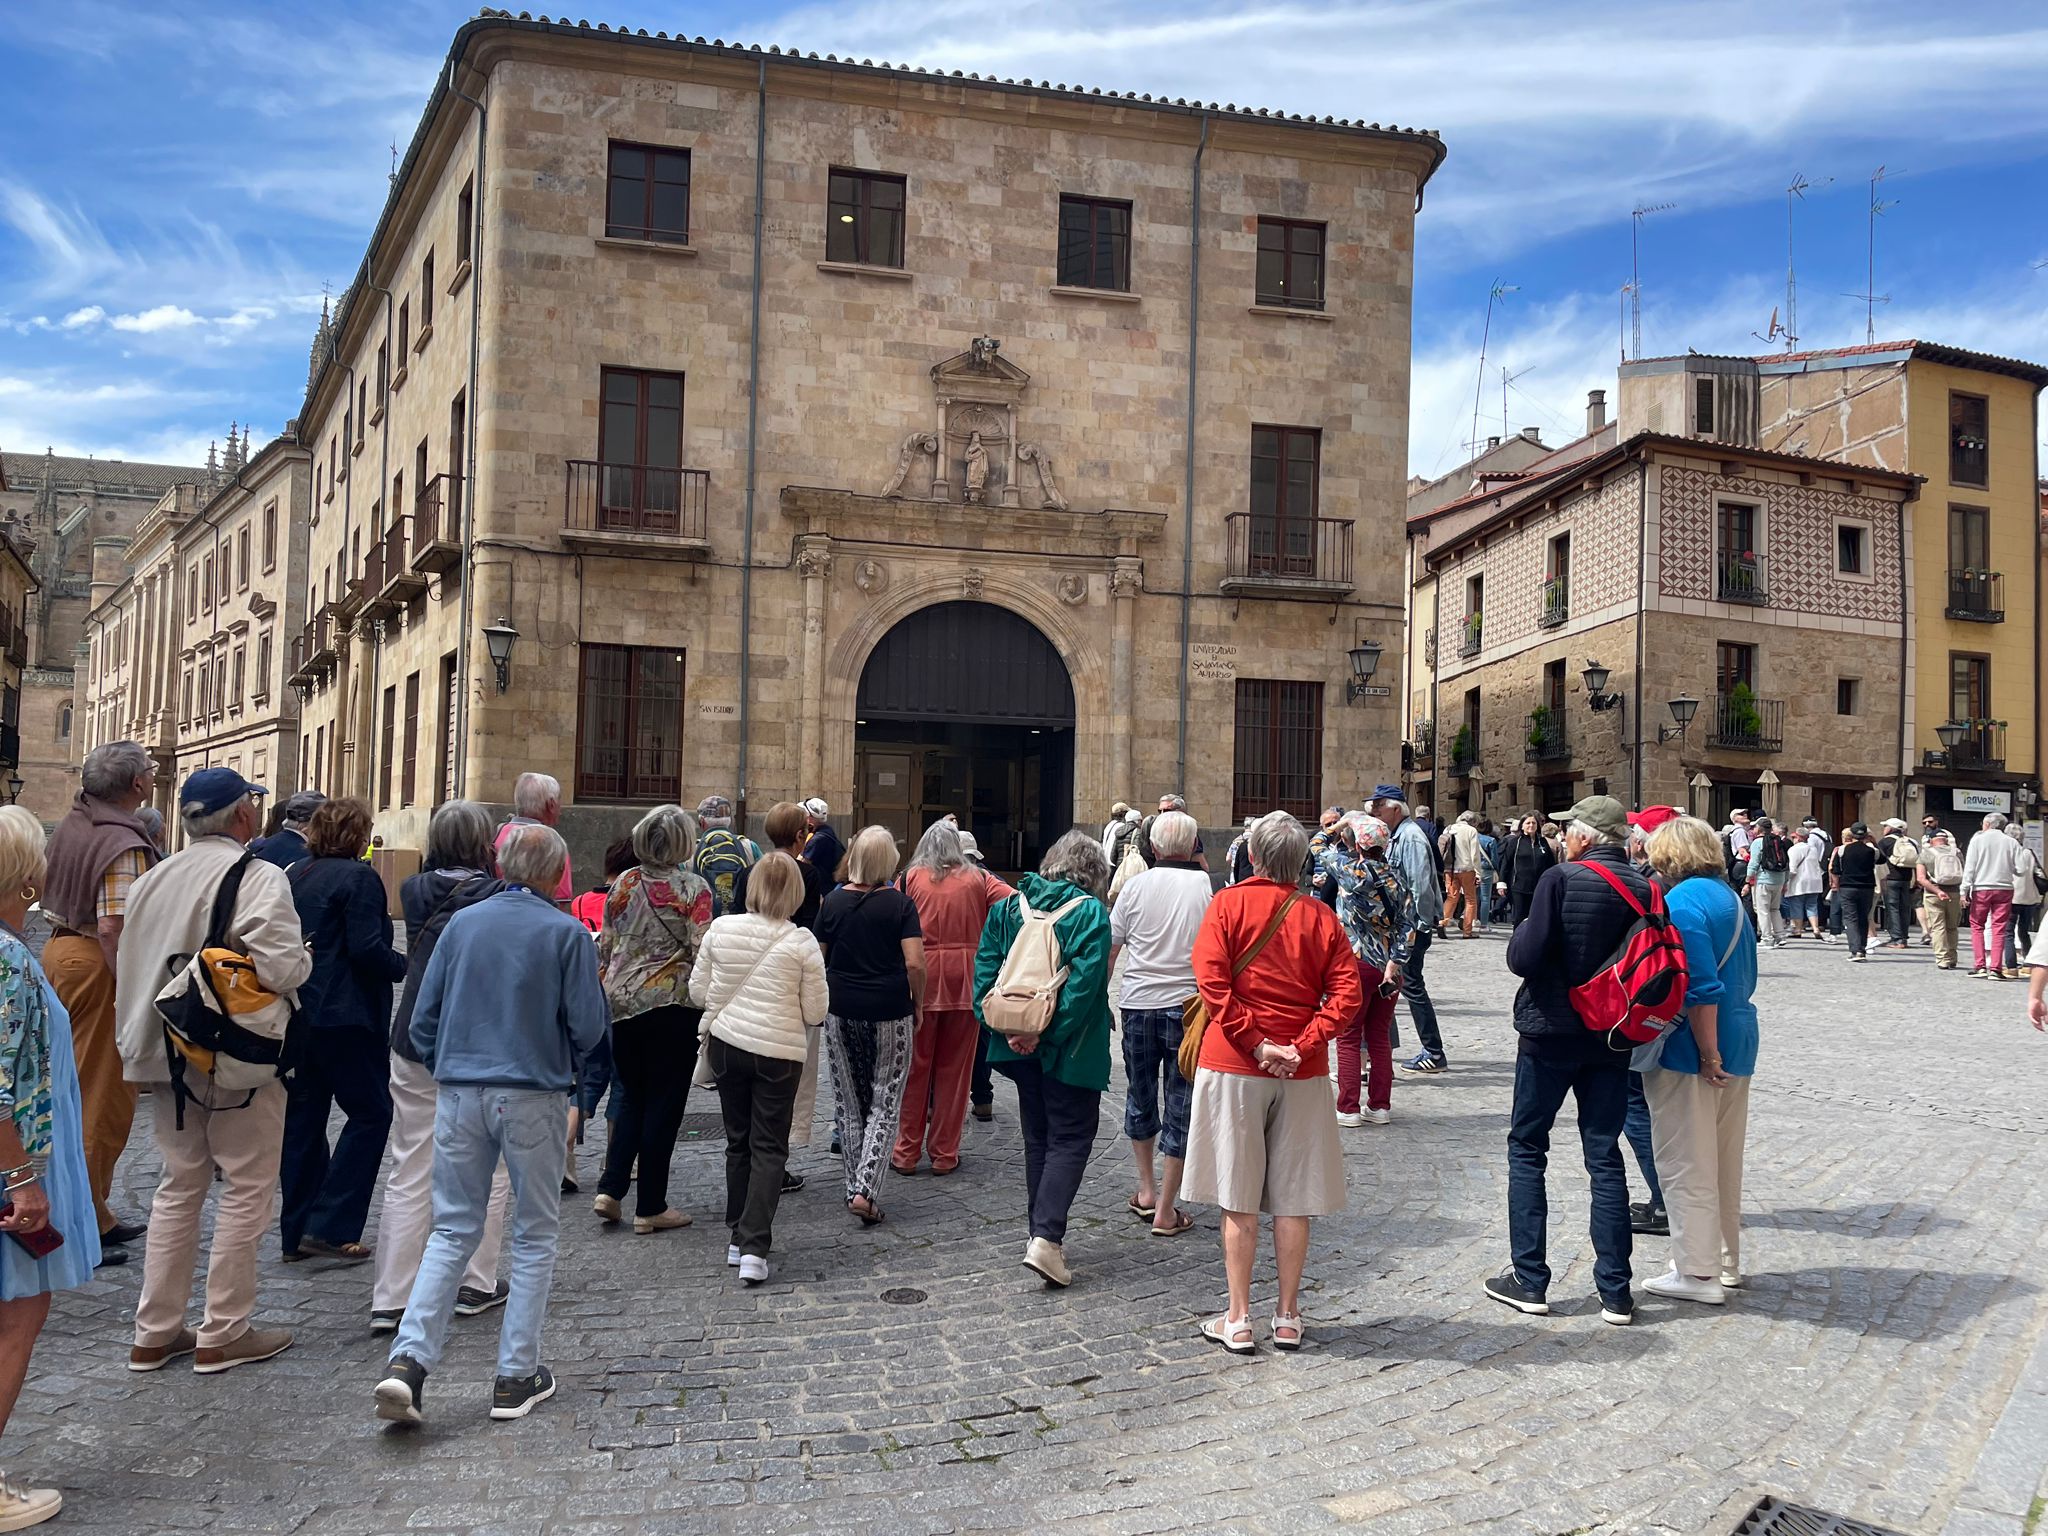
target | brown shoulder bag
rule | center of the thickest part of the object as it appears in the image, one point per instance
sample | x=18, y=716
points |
x=1194, y=1013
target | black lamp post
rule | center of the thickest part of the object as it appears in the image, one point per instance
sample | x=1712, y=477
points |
x=499, y=637
x=1597, y=696
x=14, y=788
x=1951, y=733
x=1365, y=661
x=1683, y=708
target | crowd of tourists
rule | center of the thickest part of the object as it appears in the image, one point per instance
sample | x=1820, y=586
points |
x=250, y=984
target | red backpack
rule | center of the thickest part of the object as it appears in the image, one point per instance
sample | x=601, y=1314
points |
x=1641, y=991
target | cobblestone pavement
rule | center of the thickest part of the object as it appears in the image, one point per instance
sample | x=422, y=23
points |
x=1897, y=1207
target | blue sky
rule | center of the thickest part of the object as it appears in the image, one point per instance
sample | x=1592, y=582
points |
x=179, y=183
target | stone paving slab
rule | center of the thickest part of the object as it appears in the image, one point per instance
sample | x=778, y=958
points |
x=1896, y=1206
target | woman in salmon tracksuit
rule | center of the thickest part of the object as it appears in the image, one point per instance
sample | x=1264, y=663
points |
x=952, y=896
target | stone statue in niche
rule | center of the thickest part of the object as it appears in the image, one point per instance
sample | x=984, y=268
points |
x=914, y=445
x=982, y=351
x=975, y=478
x=1048, y=486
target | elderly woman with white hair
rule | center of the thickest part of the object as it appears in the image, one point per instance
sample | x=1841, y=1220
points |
x=1279, y=981
x=654, y=919
x=508, y=1008
x=1062, y=1072
x=42, y=1150
x=1379, y=919
x=952, y=898
x=875, y=971
x=1153, y=925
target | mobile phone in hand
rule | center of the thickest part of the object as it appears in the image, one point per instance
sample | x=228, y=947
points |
x=1389, y=988
x=38, y=1245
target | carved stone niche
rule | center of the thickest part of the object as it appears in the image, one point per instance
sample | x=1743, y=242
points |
x=977, y=393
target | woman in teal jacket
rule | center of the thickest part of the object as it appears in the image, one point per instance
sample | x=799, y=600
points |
x=1697, y=1077
x=1060, y=1075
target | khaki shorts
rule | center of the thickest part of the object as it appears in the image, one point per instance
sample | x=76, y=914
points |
x=1264, y=1144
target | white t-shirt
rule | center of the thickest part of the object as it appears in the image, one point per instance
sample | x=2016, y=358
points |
x=1156, y=920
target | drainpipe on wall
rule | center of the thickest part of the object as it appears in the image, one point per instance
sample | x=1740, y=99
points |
x=1899, y=760
x=474, y=411
x=1635, y=785
x=753, y=425
x=1187, y=537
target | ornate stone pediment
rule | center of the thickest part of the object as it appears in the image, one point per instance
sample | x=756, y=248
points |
x=978, y=459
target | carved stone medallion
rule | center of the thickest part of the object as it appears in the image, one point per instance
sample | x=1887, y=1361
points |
x=1073, y=589
x=872, y=577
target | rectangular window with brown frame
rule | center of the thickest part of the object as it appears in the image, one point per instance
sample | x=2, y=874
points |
x=404, y=331
x=1969, y=440
x=640, y=451
x=465, y=220
x=629, y=724
x=1703, y=406
x=864, y=213
x=647, y=193
x=192, y=590
x=387, y=739
x=1286, y=468
x=206, y=583
x=1277, y=749
x=242, y=558
x=220, y=683
x=262, y=666
x=362, y=410
x=333, y=461
x=269, y=537
x=1095, y=243
x=451, y=701
x=227, y=575
x=348, y=425
x=1969, y=686
x=427, y=292
x=409, y=764
x=1290, y=269
x=383, y=370
x=241, y=676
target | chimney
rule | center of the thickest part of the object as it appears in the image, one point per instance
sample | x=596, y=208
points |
x=1533, y=434
x=1596, y=410
x=1493, y=442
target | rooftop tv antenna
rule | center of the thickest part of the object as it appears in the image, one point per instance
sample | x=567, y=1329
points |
x=1870, y=296
x=1495, y=294
x=1794, y=196
x=1635, y=270
x=1506, y=379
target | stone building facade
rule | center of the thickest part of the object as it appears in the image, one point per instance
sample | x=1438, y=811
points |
x=64, y=508
x=805, y=427
x=188, y=637
x=1766, y=588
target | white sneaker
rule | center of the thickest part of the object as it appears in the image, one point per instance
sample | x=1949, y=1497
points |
x=1049, y=1260
x=752, y=1270
x=22, y=1507
x=1731, y=1279
x=1379, y=1117
x=1685, y=1288
x=1350, y=1119
x=732, y=1255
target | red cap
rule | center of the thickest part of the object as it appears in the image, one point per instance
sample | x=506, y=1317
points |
x=1653, y=818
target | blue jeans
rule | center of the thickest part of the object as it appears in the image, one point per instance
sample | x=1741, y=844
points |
x=1546, y=1070
x=1636, y=1126
x=473, y=1128
x=1420, y=1009
x=1804, y=909
x=1152, y=1069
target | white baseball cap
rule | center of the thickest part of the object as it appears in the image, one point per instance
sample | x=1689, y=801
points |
x=817, y=807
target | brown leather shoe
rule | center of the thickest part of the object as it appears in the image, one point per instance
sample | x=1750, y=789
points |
x=154, y=1357
x=255, y=1344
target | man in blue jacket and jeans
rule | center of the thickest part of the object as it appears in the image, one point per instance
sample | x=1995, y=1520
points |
x=507, y=1009
x=1576, y=923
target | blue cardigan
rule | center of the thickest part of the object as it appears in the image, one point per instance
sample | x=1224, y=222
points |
x=342, y=914
x=1709, y=918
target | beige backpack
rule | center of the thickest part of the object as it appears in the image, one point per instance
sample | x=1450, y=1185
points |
x=1132, y=866
x=1027, y=988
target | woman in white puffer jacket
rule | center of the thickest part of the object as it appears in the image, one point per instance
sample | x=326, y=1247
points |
x=760, y=980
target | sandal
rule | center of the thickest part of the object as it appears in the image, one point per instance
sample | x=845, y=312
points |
x=1183, y=1221
x=348, y=1253
x=1234, y=1334
x=872, y=1216
x=1288, y=1332
x=1138, y=1208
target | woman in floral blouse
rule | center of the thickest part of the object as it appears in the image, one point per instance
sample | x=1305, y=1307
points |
x=42, y=1153
x=654, y=919
x=1379, y=918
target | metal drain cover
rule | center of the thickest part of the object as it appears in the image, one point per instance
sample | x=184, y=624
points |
x=903, y=1296
x=1775, y=1517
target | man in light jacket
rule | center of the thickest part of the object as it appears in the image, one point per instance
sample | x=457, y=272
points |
x=1411, y=857
x=169, y=911
x=507, y=1009
x=1989, y=868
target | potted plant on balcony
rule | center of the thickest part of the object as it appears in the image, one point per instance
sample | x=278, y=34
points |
x=1461, y=748
x=1745, y=720
x=1539, y=726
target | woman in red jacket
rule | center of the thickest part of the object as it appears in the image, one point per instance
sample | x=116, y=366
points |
x=1279, y=981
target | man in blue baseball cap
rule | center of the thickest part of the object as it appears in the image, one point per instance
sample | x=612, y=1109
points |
x=203, y=1125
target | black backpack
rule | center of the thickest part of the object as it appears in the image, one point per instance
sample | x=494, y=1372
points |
x=1771, y=855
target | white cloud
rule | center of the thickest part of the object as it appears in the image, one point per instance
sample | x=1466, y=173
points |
x=80, y=319
x=165, y=317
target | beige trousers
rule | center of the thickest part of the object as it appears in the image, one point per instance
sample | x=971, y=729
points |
x=245, y=1143
x=1943, y=917
x=408, y=1212
x=1698, y=1130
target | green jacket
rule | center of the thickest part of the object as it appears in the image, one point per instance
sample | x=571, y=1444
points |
x=1075, y=1047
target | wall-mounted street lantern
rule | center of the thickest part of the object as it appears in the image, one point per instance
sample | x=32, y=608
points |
x=1683, y=708
x=14, y=788
x=1365, y=661
x=1597, y=696
x=499, y=638
x=1951, y=733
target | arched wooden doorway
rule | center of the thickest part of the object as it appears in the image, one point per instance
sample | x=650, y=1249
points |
x=966, y=707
